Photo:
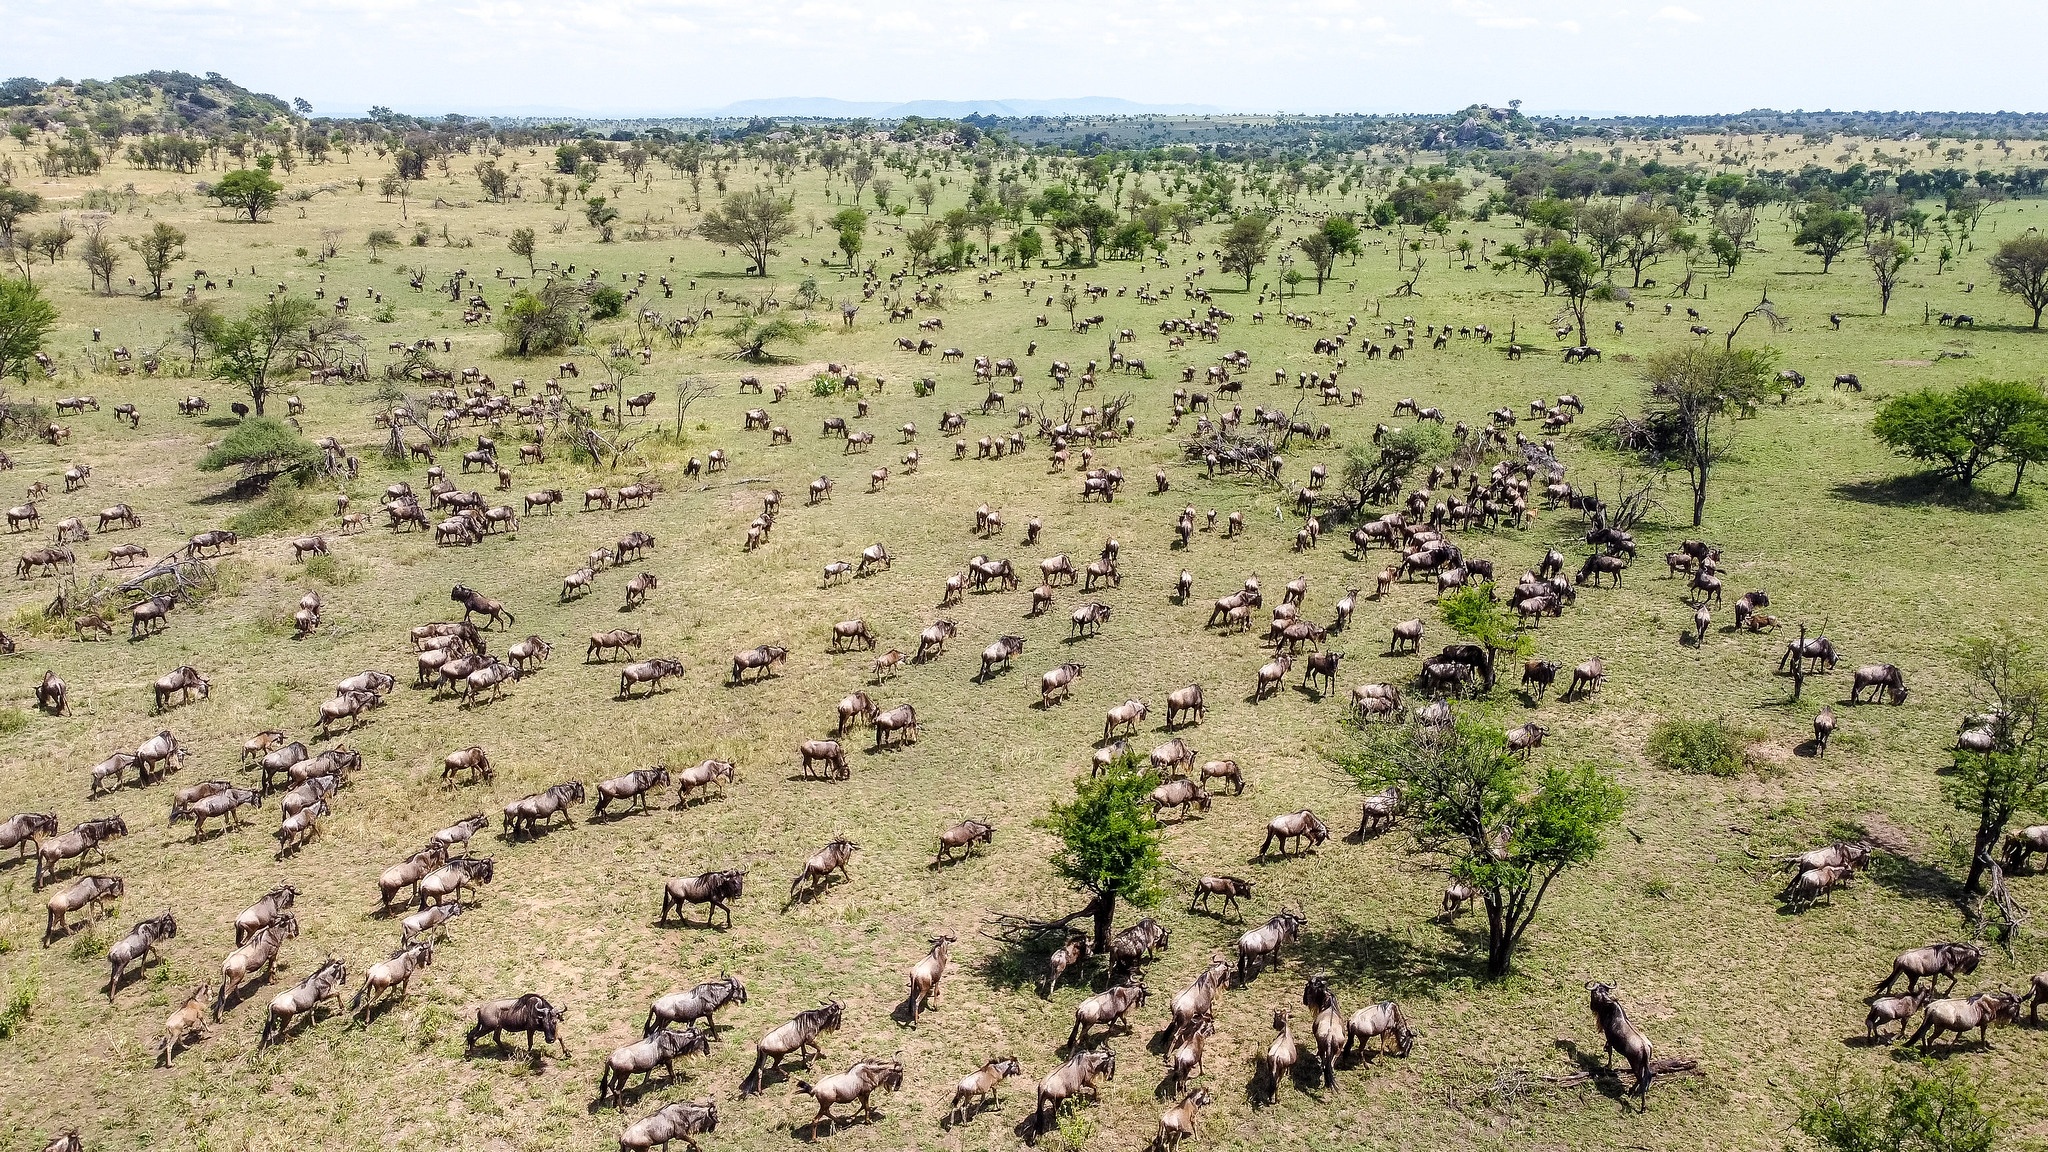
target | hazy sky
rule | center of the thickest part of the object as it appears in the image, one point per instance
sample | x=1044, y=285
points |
x=432, y=56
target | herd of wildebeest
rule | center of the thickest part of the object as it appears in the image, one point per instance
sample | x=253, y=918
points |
x=454, y=656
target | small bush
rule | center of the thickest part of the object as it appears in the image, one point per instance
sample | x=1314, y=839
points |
x=327, y=570
x=1698, y=746
x=283, y=509
x=606, y=302
x=19, y=1005
x=823, y=385
x=12, y=720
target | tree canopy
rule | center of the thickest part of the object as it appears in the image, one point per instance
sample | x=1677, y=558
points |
x=1468, y=806
x=249, y=191
x=1244, y=246
x=1109, y=843
x=25, y=319
x=2021, y=265
x=1969, y=431
x=264, y=448
x=246, y=351
x=754, y=222
x=1826, y=234
x=538, y=322
x=1690, y=393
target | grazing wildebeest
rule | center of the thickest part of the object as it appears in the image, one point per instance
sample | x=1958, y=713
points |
x=1384, y=1022
x=1823, y=729
x=1877, y=678
x=901, y=720
x=827, y=752
x=1302, y=826
x=799, y=1036
x=530, y=1013
x=999, y=654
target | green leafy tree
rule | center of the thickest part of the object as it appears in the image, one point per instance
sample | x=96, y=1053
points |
x=1476, y=614
x=1573, y=273
x=524, y=244
x=1827, y=233
x=922, y=241
x=2008, y=680
x=1888, y=256
x=1726, y=252
x=1244, y=246
x=1969, y=431
x=1901, y=1111
x=378, y=240
x=751, y=337
x=1315, y=247
x=160, y=248
x=15, y=204
x=495, y=181
x=2021, y=265
x=754, y=222
x=264, y=449
x=538, y=322
x=248, y=351
x=1470, y=808
x=249, y=191
x=606, y=302
x=1026, y=246
x=1109, y=843
x=25, y=320
x=1693, y=393
x=601, y=215
x=926, y=192
x=199, y=327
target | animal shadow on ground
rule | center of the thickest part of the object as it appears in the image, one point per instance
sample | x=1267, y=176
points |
x=1611, y=1082
x=1396, y=964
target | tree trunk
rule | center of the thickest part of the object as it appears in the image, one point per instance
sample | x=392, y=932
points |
x=1499, y=941
x=2019, y=474
x=1104, y=910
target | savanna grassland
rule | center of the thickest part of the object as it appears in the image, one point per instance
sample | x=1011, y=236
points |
x=1680, y=913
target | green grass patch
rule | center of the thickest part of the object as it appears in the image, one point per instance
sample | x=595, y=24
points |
x=20, y=1003
x=331, y=572
x=284, y=508
x=1705, y=747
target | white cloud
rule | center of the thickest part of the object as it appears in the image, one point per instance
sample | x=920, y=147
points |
x=1680, y=15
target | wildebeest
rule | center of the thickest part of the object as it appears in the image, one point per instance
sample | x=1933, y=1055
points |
x=799, y=1036
x=325, y=983
x=977, y=1089
x=1960, y=1015
x=1384, y=1022
x=451, y=878
x=762, y=659
x=1303, y=827
x=1188, y=700
x=25, y=830
x=1260, y=944
x=836, y=856
x=1134, y=945
x=618, y=639
x=714, y=890
x=1074, y=950
x=964, y=836
x=494, y=611
x=648, y=672
x=185, y=1022
x=395, y=972
x=1075, y=1077
x=258, y=951
x=1877, y=678
x=1895, y=1009
x=1057, y=682
x=1587, y=678
x=1106, y=1009
x=856, y=1084
x=136, y=946
x=657, y=1049
x=85, y=892
x=678, y=1121
x=530, y=1013
x=633, y=786
x=699, y=1003
x=1948, y=959
x=1231, y=888
x=901, y=720
x=702, y=775
x=1619, y=1034
x=999, y=654
x=1179, y=793
x=535, y=811
x=828, y=752
x=81, y=839
x=926, y=974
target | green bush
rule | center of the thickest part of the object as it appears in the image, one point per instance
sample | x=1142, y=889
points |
x=264, y=448
x=283, y=509
x=606, y=302
x=1698, y=746
x=19, y=1005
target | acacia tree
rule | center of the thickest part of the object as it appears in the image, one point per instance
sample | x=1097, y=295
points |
x=1244, y=246
x=754, y=222
x=25, y=319
x=523, y=244
x=162, y=247
x=247, y=351
x=1573, y=272
x=2008, y=681
x=2021, y=265
x=249, y=191
x=1109, y=843
x=1827, y=234
x=1887, y=255
x=1692, y=391
x=1470, y=809
x=1969, y=431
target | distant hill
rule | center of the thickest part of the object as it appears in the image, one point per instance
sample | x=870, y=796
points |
x=147, y=102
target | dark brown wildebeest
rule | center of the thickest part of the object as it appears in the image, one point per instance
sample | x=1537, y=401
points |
x=1541, y=673
x=678, y=1121
x=530, y=1013
x=1587, y=679
x=1620, y=1035
x=999, y=654
x=963, y=837
x=714, y=890
x=258, y=951
x=534, y=812
x=1136, y=944
x=1303, y=826
x=494, y=611
x=1189, y=700
x=648, y=672
x=136, y=946
x=1322, y=665
x=1257, y=946
x=799, y=1037
x=762, y=659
